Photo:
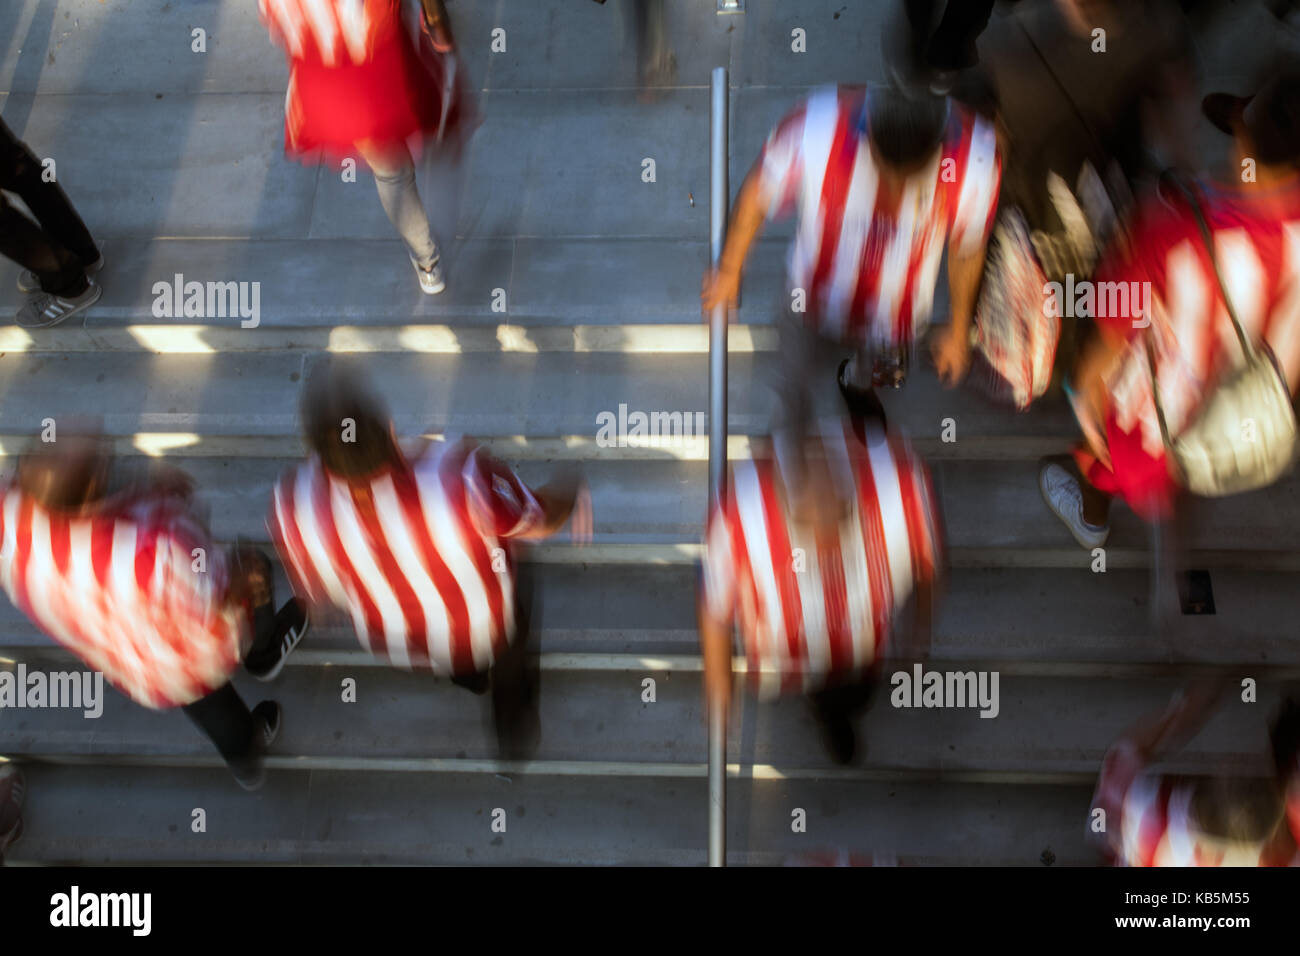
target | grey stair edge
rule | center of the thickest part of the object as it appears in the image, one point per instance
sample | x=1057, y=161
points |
x=627, y=662
x=536, y=447
x=570, y=768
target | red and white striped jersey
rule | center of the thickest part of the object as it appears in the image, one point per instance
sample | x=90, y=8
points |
x=418, y=556
x=814, y=604
x=331, y=32
x=1257, y=243
x=126, y=592
x=869, y=277
x=1157, y=829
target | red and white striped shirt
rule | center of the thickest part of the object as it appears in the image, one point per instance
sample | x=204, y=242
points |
x=331, y=32
x=869, y=277
x=418, y=556
x=126, y=592
x=813, y=604
x=1157, y=829
x=1257, y=243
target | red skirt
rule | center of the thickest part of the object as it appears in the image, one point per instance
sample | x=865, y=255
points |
x=1141, y=480
x=393, y=99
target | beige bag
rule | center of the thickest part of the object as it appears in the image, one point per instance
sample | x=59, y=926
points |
x=1244, y=436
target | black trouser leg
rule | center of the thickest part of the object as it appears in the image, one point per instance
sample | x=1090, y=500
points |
x=60, y=248
x=516, y=675
x=227, y=721
x=476, y=683
x=846, y=701
x=246, y=560
x=952, y=46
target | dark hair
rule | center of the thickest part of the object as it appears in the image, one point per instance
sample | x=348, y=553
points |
x=66, y=474
x=904, y=128
x=1284, y=736
x=345, y=424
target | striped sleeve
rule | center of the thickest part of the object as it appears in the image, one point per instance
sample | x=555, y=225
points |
x=501, y=503
x=782, y=163
x=282, y=523
x=977, y=198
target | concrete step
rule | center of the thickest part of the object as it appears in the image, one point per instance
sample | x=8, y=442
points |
x=1041, y=725
x=986, y=505
x=417, y=818
x=187, y=160
x=1061, y=622
x=540, y=40
x=547, y=394
x=310, y=285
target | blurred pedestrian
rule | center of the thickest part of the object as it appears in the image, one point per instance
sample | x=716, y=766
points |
x=125, y=575
x=361, y=84
x=881, y=182
x=814, y=558
x=1091, y=97
x=656, y=64
x=13, y=791
x=1152, y=819
x=56, y=251
x=419, y=549
x=1175, y=332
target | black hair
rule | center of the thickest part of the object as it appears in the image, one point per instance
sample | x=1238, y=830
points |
x=1284, y=736
x=905, y=128
x=345, y=424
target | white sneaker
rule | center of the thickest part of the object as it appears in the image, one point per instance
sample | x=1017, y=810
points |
x=1063, y=495
x=431, y=282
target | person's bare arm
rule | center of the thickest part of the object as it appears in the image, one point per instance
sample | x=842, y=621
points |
x=722, y=285
x=952, y=346
x=1091, y=385
x=1186, y=714
x=438, y=24
x=565, y=498
x=715, y=647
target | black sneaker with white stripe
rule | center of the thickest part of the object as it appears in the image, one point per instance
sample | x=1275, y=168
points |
x=291, y=626
x=43, y=310
x=267, y=721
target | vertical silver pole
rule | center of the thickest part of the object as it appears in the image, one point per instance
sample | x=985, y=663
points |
x=720, y=198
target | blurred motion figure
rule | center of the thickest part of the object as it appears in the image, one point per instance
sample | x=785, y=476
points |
x=419, y=549
x=814, y=556
x=1165, y=820
x=1183, y=350
x=56, y=252
x=881, y=180
x=123, y=572
x=362, y=81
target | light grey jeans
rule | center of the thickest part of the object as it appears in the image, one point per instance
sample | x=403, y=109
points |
x=401, y=200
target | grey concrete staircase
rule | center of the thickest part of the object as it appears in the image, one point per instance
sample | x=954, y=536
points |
x=174, y=159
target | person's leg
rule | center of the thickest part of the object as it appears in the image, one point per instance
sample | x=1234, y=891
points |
x=476, y=683
x=275, y=633
x=58, y=271
x=656, y=64
x=797, y=365
x=838, y=707
x=516, y=678
x=65, y=248
x=228, y=723
x=1068, y=484
x=952, y=46
x=12, y=793
x=395, y=179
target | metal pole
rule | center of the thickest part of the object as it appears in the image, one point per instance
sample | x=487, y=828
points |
x=720, y=196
